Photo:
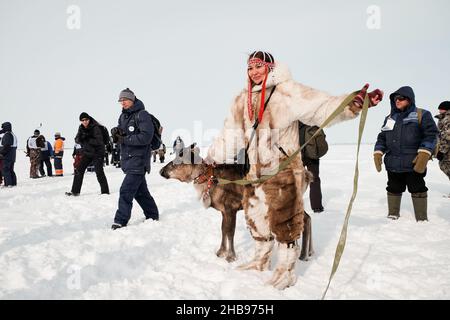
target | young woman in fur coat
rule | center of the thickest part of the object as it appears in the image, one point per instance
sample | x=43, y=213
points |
x=274, y=209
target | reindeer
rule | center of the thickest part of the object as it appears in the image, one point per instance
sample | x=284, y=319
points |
x=225, y=198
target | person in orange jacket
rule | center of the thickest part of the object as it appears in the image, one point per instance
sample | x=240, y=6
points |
x=58, y=154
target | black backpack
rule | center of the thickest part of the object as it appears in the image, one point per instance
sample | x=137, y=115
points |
x=317, y=147
x=105, y=134
x=156, y=140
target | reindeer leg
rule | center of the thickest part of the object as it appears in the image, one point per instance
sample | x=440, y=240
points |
x=222, y=252
x=230, y=228
x=226, y=249
x=306, y=238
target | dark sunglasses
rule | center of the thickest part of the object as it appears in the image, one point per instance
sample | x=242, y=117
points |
x=400, y=98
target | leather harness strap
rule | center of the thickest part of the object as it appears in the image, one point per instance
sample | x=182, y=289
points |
x=208, y=177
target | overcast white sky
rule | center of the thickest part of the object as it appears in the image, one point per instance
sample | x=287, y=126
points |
x=186, y=59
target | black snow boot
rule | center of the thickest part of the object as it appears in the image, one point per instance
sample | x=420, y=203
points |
x=420, y=205
x=116, y=226
x=394, y=200
x=72, y=194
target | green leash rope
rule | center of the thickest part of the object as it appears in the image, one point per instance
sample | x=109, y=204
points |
x=343, y=238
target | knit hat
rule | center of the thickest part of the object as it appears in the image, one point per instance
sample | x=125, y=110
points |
x=267, y=60
x=84, y=115
x=127, y=94
x=444, y=106
x=37, y=132
x=57, y=134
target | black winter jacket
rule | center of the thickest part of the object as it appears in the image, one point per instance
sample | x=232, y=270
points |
x=138, y=127
x=91, y=139
x=8, y=147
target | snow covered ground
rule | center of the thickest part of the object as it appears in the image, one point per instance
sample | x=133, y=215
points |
x=56, y=247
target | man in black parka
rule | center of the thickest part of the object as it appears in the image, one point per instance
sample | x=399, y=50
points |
x=90, y=137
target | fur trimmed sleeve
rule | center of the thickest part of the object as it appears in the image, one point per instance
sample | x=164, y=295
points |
x=313, y=107
x=231, y=139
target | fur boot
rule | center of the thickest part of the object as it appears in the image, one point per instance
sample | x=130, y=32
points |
x=261, y=261
x=284, y=274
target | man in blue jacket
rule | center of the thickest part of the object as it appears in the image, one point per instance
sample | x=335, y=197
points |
x=46, y=154
x=8, y=150
x=134, y=134
x=407, y=139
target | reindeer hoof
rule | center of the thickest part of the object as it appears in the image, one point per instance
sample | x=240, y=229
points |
x=304, y=257
x=221, y=253
x=229, y=256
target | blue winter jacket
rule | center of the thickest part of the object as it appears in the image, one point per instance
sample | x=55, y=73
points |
x=400, y=144
x=47, y=151
x=8, y=147
x=135, y=149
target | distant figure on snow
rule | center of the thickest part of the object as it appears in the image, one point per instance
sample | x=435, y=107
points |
x=58, y=149
x=46, y=154
x=8, y=149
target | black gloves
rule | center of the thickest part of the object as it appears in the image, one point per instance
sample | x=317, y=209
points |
x=117, y=135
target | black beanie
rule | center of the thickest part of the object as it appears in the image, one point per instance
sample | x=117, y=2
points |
x=444, y=106
x=84, y=115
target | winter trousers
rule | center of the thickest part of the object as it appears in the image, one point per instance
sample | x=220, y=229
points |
x=134, y=186
x=315, y=191
x=397, y=182
x=48, y=164
x=275, y=208
x=1, y=171
x=58, y=166
x=76, y=162
x=34, y=162
x=8, y=173
x=79, y=174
